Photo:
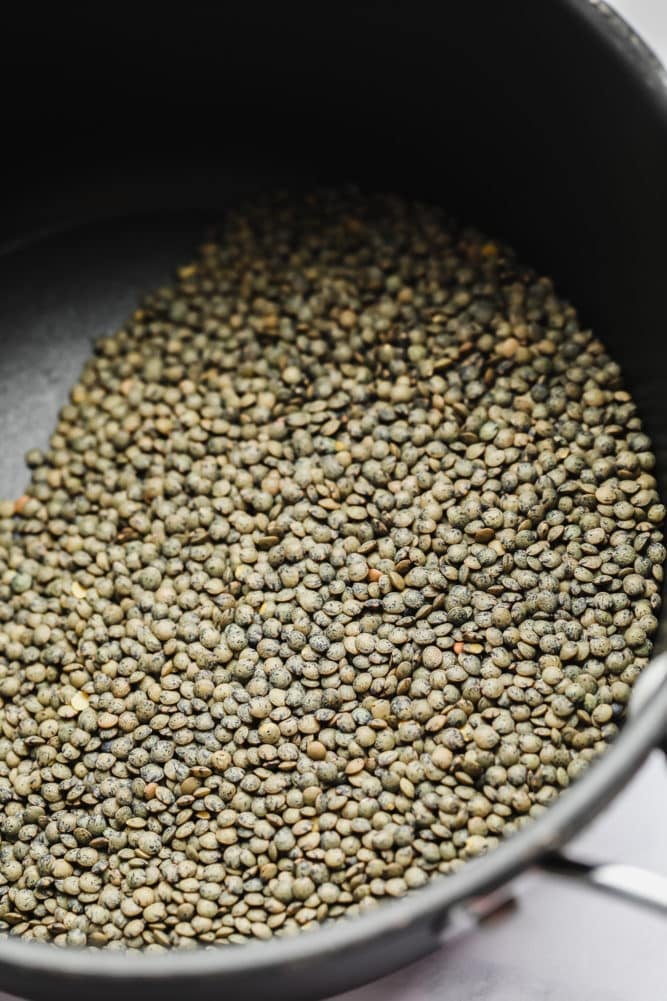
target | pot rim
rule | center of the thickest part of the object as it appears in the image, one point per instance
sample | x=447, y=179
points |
x=574, y=808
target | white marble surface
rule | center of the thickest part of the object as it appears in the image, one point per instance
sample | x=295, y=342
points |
x=563, y=943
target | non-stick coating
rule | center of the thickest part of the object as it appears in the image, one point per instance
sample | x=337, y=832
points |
x=61, y=294
x=548, y=128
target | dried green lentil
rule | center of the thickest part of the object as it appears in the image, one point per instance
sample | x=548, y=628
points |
x=341, y=564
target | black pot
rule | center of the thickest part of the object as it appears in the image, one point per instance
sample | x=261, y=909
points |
x=542, y=123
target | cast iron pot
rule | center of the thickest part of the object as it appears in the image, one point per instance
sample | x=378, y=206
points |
x=125, y=132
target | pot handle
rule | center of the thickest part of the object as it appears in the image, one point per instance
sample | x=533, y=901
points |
x=625, y=882
x=629, y=882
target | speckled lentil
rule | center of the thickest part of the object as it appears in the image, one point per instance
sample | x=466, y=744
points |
x=340, y=566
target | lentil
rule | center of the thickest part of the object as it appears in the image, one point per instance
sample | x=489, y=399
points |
x=341, y=563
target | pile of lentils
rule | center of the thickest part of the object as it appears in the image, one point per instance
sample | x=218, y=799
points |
x=340, y=566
